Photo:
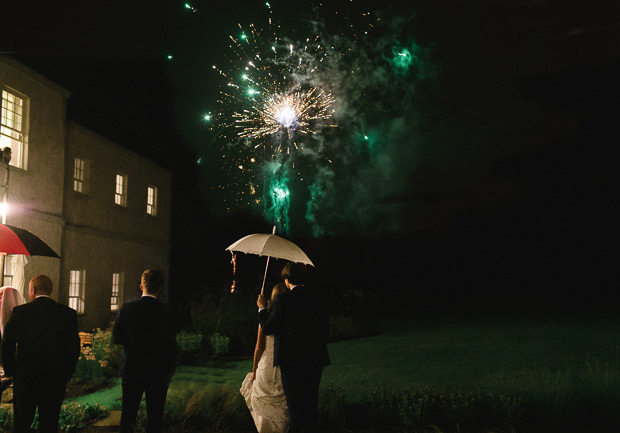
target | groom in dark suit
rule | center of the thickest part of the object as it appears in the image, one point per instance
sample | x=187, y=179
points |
x=145, y=330
x=300, y=327
x=40, y=349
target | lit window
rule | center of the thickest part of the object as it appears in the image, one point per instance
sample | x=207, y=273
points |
x=79, y=175
x=120, y=196
x=76, y=291
x=12, y=127
x=8, y=272
x=117, y=289
x=151, y=200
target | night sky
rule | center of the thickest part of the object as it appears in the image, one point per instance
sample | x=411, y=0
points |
x=488, y=171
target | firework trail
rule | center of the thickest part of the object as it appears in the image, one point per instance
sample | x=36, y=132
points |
x=273, y=99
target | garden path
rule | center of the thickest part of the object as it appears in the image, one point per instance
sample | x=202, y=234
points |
x=112, y=420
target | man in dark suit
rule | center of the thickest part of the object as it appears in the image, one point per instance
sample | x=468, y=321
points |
x=40, y=349
x=300, y=327
x=145, y=330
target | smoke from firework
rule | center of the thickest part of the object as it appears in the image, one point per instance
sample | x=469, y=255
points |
x=280, y=102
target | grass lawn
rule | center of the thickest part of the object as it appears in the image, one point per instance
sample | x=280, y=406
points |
x=214, y=373
x=534, y=358
x=497, y=355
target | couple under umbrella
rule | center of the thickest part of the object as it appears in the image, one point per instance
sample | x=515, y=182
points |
x=282, y=390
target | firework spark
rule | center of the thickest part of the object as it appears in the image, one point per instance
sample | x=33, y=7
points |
x=285, y=113
x=273, y=95
x=279, y=101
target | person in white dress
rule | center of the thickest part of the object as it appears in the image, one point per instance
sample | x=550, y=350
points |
x=262, y=388
x=9, y=299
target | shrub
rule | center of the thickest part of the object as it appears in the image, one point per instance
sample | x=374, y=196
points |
x=6, y=419
x=233, y=315
x=217, y=408
x=189, y=341
x=89, y=369
x=332, y=407
x=222, y=408
x=106, y=352
x=73, y=417
x=344, y=328
x=458, y=410
x=219, y=344
x=97, y=364
x=579, y=395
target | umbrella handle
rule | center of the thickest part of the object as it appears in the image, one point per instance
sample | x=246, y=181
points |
x=262, y=290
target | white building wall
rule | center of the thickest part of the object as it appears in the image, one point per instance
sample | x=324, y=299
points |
x=102, y=237
x=35, y=194
x=88, y=230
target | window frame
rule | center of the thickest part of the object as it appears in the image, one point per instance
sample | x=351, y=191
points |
x=151, y=206
x=118, y=282
x=9, y=271
x=83, y=181
x=77, y=289
x=120, y=198
x=11, y=134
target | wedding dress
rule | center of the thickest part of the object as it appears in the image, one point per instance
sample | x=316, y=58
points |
x=265, y=396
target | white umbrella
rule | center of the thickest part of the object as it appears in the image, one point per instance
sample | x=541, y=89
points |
x=270, y=245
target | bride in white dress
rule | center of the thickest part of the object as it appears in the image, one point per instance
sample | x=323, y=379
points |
x=262, y=388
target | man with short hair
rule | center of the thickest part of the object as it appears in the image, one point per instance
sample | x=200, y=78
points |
x=144, y=328
x=300, y=326
x=40, y=349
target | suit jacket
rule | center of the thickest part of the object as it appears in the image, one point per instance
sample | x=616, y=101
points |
x=41, y=342
x=145, y=330
x=300, y=327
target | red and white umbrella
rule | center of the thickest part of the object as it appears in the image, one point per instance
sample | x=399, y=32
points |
x=14, y=240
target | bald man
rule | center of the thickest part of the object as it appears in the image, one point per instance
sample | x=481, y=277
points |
x=46, y=334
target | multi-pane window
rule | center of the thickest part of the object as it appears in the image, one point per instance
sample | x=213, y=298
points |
x=151, y=200
x=8, y=272
x=79, y=175
x=12, y=127
x=76, y=291
x=117, y=289
x=120, y=195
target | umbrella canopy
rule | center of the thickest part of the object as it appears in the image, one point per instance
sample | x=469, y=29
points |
x=272, y=246
x=14, y=240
